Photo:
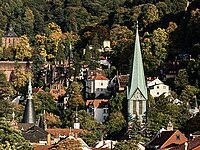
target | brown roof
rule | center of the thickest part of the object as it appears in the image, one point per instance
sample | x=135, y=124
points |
x=100, y=77
x=32, y=133
x=100, y=149
x=123, y=80
x=192, y=144
x=167, y=139
x=68, y=144
x=41, y=147
x=92, y=73
x=56, y=132
x=35, y=90
x=97, y=103
x=25, y=126
x=162, y=138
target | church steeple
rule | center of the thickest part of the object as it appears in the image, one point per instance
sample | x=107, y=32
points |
x=136, y=89
x=29, y=112
x=76, y=123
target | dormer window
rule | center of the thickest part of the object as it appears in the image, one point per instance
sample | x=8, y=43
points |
x=178, y=137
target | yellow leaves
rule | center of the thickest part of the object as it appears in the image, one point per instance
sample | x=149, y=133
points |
x=20, y=78
x=52, y=119
x=54, y=27
x=41, y=39
x=55, y=36
x=172, y=26
x=195, y=13
x=23, y=49
x=71, y=36
x=150, y=14
x=120, y=34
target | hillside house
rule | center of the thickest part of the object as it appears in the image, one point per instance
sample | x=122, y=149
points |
x=157, y=88
x=96, y=86
x=98, y=108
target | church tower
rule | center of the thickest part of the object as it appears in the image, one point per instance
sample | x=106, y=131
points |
x=29, y=112
x=137, y=89
x=76, y=123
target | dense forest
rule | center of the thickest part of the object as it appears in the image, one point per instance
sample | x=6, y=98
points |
x=168, y=28
x=58, y=29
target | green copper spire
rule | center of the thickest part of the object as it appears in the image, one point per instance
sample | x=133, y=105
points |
x=137, y=78
x=136, y=89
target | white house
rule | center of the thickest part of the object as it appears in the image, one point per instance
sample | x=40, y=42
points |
x=98, y=108
x=97, y=85
x=157, y=88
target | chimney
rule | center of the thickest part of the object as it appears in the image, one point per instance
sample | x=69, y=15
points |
x=170, y=126
x=48, y=139
x=185, y=146
x=76, y=135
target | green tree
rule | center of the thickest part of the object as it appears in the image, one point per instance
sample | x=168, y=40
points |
x=181, y=80
x=155, y=49
x=8, y=53
x=76, y=98
x=19, y=79
x=93, y=131
x=23, y=49
x=121, y=41
x=162, y=110
x=150, y=14
x=28, y=21
x=189, y=94
x=116, y=102
x=115, y=123
x=131, y=144
x=12, y=138
x=38, y=69
x=6, y=90
x=44, y=100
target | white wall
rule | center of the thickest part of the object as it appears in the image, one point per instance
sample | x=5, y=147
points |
x=100, y=87
x=100, y=115
x=157, y=88
x=97, y=86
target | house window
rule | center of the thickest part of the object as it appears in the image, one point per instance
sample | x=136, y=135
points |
x=164, y=87
x=134, y=107
x=157, y=87
x=157, y=93
x=104, y=118
x=177, y=137
x=151, y=87
x=140, y=107
x=101, y=84
x=105, y=111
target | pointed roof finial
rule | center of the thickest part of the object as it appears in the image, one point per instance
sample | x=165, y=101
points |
x=76, y=123
x=29, y=89
x=137, y=24
x=76, y=118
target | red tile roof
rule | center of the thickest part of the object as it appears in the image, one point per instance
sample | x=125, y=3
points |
x=100, y=149
x=100, y=77
x=97, y=102
x=41, y=147
x=193, y=144
x=167, y=139
x=56, y=132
